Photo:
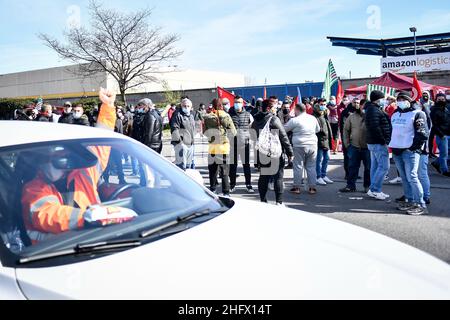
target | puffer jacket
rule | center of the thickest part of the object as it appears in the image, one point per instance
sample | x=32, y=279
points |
x=379, y=128
x=260, y=122
x=355, y=131
x=218, y=127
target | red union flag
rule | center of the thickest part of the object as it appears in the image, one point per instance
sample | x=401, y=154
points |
x=226, y=94
x=416, y=89
x=340, y=93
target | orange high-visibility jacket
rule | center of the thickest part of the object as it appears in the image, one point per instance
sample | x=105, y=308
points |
x=44, y=212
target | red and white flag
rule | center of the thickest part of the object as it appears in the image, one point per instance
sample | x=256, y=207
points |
x=416, y=89
x=226, y=94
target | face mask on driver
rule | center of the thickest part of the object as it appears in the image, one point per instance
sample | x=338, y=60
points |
x=51, y=173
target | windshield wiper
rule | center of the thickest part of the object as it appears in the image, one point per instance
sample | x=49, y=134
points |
x=85, y=248
x=177, y=221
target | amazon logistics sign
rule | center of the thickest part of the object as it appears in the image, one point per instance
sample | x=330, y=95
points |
x=419, y=63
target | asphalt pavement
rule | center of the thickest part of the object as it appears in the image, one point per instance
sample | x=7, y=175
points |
x=429, y=233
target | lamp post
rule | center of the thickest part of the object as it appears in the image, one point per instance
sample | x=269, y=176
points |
x=414, y=30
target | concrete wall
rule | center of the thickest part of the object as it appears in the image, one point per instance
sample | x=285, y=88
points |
x=54, y=83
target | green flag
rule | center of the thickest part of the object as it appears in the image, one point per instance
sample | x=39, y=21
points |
x=330, y=79
x=386, y=90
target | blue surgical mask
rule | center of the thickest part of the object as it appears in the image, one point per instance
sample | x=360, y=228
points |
x=238, y=106
x=186, y=111
x=403, y=105
x=323, y=108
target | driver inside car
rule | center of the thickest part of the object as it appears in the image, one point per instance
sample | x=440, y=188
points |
x=59, y=200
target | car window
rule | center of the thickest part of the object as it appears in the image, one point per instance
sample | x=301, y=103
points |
x=73, y=192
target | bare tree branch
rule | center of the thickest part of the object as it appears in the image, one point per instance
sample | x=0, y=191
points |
x=123, y=45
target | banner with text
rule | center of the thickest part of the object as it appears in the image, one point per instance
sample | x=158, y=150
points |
x=420, y=63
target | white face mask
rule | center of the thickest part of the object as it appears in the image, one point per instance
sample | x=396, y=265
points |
x=403, y=105
x=447, y=97
x=227, y=107
x=77, y=115
x=238, y=106
x=51, y=173
x=187, y=111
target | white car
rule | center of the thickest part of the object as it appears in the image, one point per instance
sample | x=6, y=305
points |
x=186, y=243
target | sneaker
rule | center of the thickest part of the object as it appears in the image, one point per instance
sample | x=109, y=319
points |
x=396, y=180
x=386, y=178
x=328, y=180
x=385, y=195
x=446, y=174
x=416, y=210
x=402, y=199
x=347, y=190
x=250, y=189
x=271, y=186
x=427, y=201
x=376, y=195
x=295, y=190
x=232, y=189
x=227, y=195
x=321, y=182
x=405, y=206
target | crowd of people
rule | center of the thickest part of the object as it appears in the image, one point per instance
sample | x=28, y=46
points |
x=371, y=131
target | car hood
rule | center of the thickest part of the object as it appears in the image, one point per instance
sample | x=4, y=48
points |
x=253, y=251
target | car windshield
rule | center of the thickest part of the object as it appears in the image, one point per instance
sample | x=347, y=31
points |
x=54, y=196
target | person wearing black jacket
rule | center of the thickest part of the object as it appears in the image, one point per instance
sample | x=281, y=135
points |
x=271, y=168
x=67, y=116
x=409, y=136
x=349, y=110
x=115, y=158
x=378, y=137
x=324, y=136
x=151, y=126
x=440, y=118
x=182, y=126
x=240, y=146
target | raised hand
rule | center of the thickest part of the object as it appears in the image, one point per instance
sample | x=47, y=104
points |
x=107, y=96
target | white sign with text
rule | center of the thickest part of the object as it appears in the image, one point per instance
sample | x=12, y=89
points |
x=419, y=63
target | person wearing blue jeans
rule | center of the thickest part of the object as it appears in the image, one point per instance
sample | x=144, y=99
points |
x=379, y=167
x=409, y=136
x=424, y=178
x=324, y=145
x=408, y=163
x=323, y=157
x=378, y=136
x=440, y=118
x=442, y=144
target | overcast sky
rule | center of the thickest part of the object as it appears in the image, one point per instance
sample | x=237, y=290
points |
x=282, y=40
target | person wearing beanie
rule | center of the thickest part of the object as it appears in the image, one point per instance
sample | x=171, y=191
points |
x=409, y=136
x=67, y=116
x=378, y=137
x=440, y=119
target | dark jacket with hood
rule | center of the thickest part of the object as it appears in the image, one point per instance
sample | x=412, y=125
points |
x=324, y=136
x=379, y=129
x=260, y=122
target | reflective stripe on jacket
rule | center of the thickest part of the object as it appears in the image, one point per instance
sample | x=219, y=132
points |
x=44, y=211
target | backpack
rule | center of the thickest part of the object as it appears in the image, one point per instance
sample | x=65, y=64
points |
x=269, y=143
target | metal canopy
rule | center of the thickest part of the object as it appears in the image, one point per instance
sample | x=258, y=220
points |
x=433, y=43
